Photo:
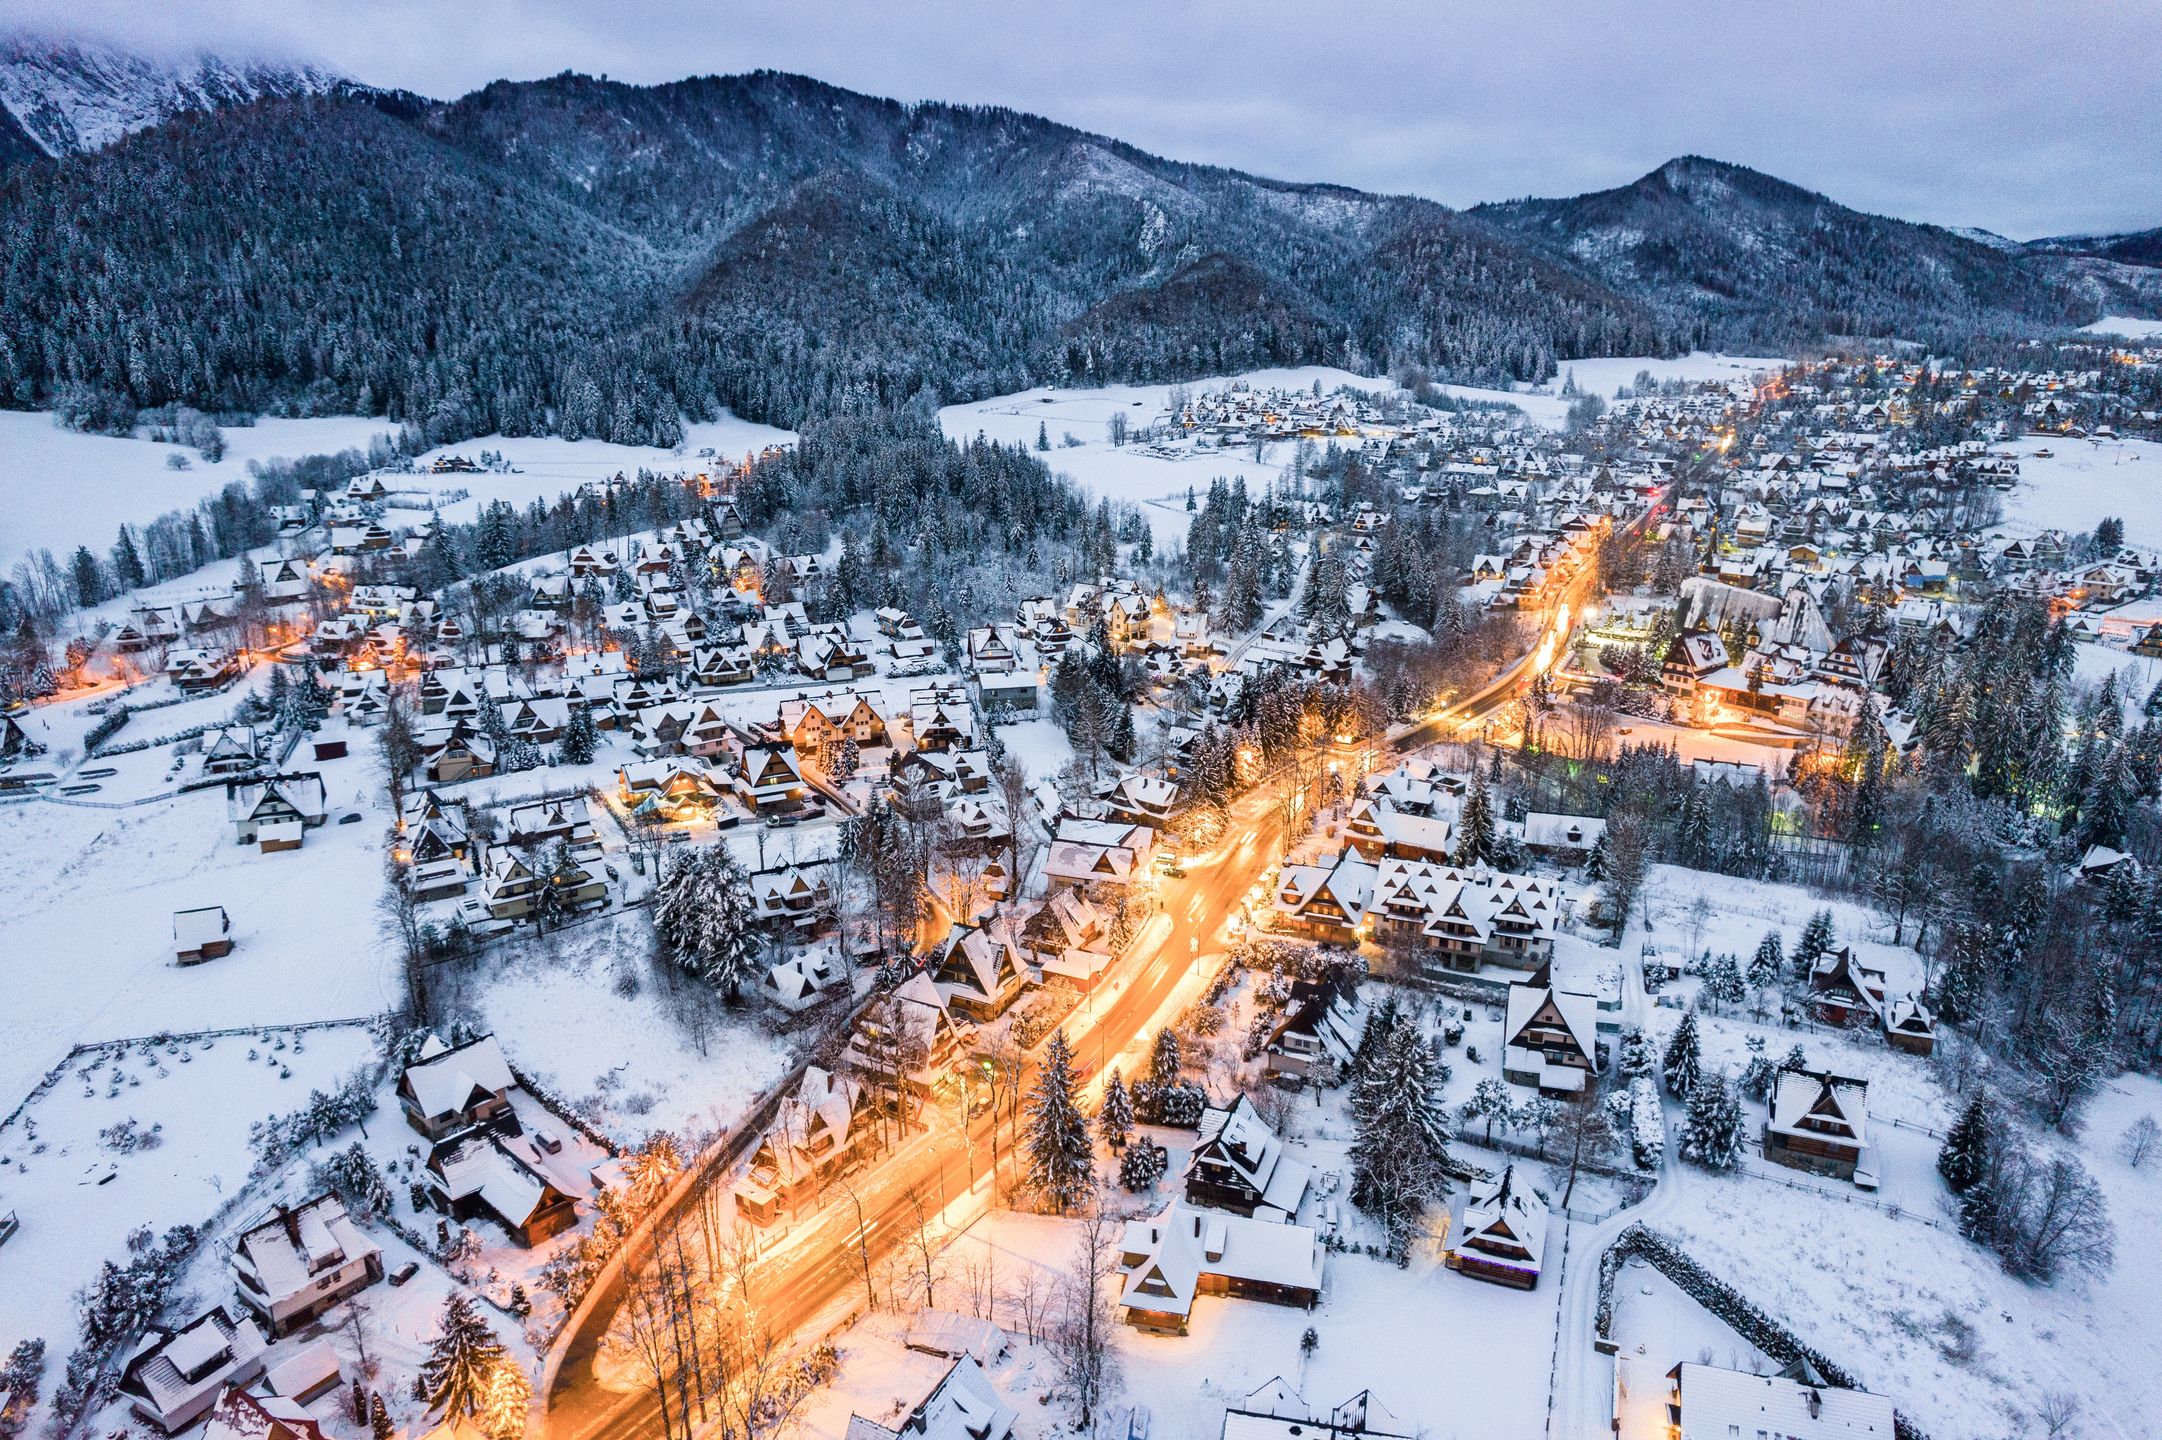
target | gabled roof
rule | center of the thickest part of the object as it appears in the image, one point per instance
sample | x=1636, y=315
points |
x=446, y=1080
x=1504, y=1222
x=1821, y=1105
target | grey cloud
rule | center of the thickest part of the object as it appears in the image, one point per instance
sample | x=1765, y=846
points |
x=2024, y=119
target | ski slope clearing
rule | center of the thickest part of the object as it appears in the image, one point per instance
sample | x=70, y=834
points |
x=2078, y=482
x=2131, y=327
x=61, y=488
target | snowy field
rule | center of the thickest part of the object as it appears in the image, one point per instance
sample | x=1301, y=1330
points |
x=79, y=1190
x=1453, y=1358
x=2081, y=481
x=1128, y=473
x=2136, y=674
x=627, y=1054
x=87, y=897
x=2131, y=327
x=1688, y=912
x=1928, y=1318
x=1603, y=376
x=545, y=467
x=60, y=488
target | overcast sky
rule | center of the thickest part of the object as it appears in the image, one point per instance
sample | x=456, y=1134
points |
x=2023, y=118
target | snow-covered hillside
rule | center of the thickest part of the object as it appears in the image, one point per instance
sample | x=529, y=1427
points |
x=76, y=95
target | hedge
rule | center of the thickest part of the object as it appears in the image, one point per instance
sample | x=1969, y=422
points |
x=1731, y=1306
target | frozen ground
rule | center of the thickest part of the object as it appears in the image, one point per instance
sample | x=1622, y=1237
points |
x=60, y=488
x=78, y=1195
x=2081, y=481
x=2130, y=326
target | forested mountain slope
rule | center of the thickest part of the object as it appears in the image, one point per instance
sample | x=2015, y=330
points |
x=592, y=258
x=1766, y=262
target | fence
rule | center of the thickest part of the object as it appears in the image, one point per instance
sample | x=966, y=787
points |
x=1846, y=1195
x=107, y=1047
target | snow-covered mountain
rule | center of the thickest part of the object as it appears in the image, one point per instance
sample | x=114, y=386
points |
x=67, y=95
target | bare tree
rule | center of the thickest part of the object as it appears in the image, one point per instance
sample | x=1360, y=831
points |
x=2138, y=1145
x=2059, y=1414
x=643, y=1330
x=1028, y=1299
x=400, y=919
x=1081, y=1337
x=2061, y=1222
x=1581, y=1134
x=923, y=1250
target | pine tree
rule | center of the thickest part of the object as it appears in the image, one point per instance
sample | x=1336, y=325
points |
x=379, y=1419
x=1712, y=1134
x=1693, y=842
x=1060, y=1158
x=1165, y=1063
x=1682, y=1065
x=462, y=1359
x=1475, y=827
x=580, y=739
x=1760, y=1074
x=356, y=1403
x=1143, y=1164
x=1815, y=943
x=1402, y=1140
x=705, y=915
x=1964, y=1160
x=1768, y=965
x=1723, y=983
x=1115, y=1118
x=507, y=1402
x=127, y=562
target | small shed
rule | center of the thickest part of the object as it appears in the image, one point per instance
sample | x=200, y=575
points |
x=303, y=1376
x=953, y=1335
x=274, y=835
x=202, y=934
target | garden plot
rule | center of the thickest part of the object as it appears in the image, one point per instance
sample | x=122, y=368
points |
x=152, y=1134
x=1658, y=1327
x=583, y=1013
